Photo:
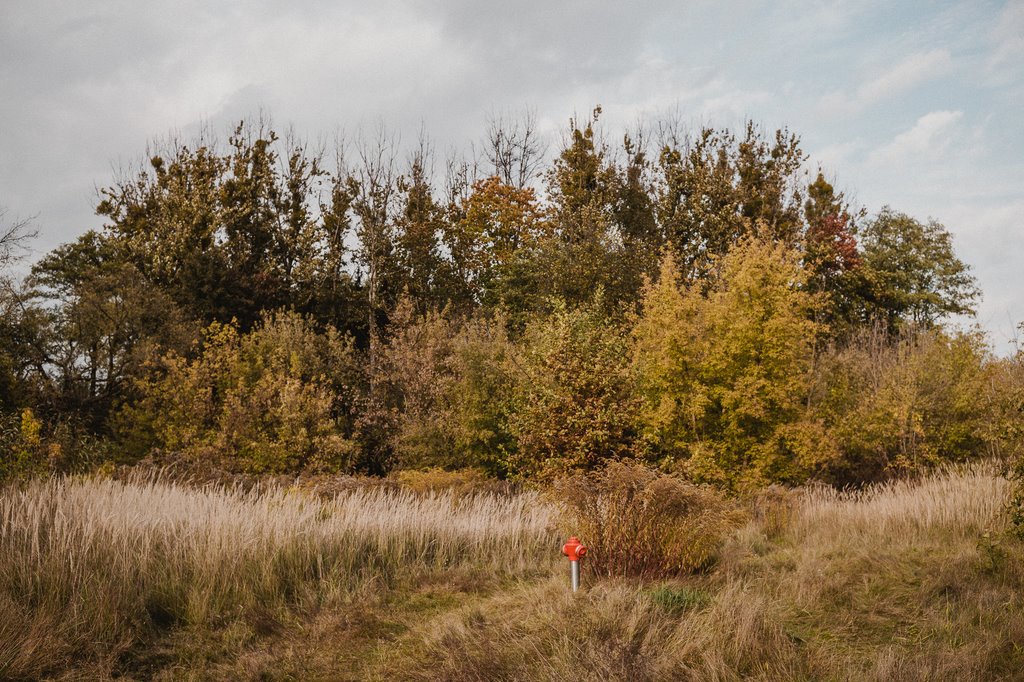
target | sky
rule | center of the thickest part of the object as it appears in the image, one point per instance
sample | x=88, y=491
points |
x=916, y=105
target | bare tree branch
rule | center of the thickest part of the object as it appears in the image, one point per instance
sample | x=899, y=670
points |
x=14, y=239
x=513, y=148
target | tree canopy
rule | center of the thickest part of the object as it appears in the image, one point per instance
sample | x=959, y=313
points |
x=694, y=300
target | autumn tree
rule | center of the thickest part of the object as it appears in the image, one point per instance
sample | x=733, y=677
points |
x=101, y=322
x=15, y=330
x=275, y=234
x=362, y=317
x=373, y=183
x=715, y=187
x=229, y=233
x=831, y=255
x=723, y=373
x=495, y=244
x=604, y=229
x=584, y=252
x=167, y=220
x=768, y=182
x=573, y=405
x=642, y=238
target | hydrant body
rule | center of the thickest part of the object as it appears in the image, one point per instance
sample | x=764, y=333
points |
x=575, y=550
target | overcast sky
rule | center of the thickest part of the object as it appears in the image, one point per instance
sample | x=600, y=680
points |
x=919, y=105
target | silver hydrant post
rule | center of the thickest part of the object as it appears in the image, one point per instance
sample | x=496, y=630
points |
x=575, y=551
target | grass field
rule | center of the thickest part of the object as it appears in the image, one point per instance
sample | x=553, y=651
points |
x=156, y=580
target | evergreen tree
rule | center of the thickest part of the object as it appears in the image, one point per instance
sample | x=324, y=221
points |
x=420, y=225
x=585, y=252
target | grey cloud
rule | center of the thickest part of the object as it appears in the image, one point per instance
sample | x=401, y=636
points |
x=85, y=85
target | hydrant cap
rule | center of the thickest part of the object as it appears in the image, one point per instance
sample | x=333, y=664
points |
x=574, y=549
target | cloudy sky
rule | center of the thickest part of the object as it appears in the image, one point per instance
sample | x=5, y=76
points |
x=919, y=105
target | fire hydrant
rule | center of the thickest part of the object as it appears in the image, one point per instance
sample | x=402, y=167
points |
x=575, y=550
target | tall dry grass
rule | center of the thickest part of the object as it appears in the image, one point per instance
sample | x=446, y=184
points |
x=909, y=580
x=958, y=499
x=614, y=631
x=903, y=581
x=895, y=582
x=90, y=568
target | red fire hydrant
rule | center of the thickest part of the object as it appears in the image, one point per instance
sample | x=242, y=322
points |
x=575, y=550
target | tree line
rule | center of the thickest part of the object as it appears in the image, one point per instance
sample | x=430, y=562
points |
x=693, y=299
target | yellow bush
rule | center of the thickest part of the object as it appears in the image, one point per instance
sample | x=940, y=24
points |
x=723, y=373
x=572, y=405
x=894, y=405
x=23, y=451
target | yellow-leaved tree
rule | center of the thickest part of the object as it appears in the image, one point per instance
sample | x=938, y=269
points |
x=724, y=370
x=277, y=399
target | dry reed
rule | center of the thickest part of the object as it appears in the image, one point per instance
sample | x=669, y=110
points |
x=88, y=567
x=893, y=582
x=963, y=499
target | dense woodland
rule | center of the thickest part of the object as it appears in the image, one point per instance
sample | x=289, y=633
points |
x=693, y=299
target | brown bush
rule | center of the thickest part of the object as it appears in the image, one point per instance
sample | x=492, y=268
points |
x=774, y=509
x=638, y=522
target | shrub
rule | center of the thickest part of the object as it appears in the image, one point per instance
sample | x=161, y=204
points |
x=638, y=522
x=573, y=407
x=24, y=452
x=898, y=404
x=447, y=389
x=274, y=400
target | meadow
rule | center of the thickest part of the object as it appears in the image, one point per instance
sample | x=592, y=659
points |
x=148, y=578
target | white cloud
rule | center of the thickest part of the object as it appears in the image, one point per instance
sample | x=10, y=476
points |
x=915, y=69
x=987, y=239
x=928, y=138
x=918, y=68
x=1008, y=38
